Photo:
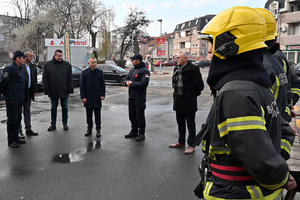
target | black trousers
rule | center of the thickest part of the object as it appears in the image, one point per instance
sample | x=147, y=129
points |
x=26, y=114
x=137, y=115
x=14, y=117
x=189, y=119
x=89, y=117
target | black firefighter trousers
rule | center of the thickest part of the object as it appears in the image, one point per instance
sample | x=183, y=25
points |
x=137, y=115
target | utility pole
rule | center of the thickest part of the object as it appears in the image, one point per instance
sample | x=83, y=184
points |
x=160, y=20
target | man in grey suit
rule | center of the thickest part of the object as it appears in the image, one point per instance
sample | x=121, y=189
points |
x=31, y=78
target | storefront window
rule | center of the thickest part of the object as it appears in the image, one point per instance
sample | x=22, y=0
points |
x=298, y=57
x=291, y=56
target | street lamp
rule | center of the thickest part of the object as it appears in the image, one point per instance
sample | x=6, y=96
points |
x=160, y=20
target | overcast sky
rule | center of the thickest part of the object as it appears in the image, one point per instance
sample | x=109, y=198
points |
x=172, y=12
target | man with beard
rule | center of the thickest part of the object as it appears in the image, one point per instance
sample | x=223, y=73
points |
x=57, y=80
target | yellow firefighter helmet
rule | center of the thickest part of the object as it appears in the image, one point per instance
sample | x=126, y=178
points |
x=235, y=31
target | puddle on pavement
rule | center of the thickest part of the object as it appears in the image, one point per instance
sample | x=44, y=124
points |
x=77, y=155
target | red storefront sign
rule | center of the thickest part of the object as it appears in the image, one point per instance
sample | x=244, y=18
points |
x=161, y=46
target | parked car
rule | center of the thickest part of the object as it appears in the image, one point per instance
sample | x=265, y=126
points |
x=156, y=63
x=202, y=63
x=296, y=69
x=169, y=63
x=76, y=71
x=113, y=73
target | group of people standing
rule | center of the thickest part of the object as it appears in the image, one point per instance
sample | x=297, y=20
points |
x=246, y=139
x=19, y=80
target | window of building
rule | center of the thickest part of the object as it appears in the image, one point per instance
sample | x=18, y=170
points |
x=298, y=58
x=291, y=56
x=1, y=22
x=1, y=37
x=182, y=34
x=292, y=8
x=182, y=45
x=298, y=7
x=188, y=45
x=187, y=33
x=294, y=29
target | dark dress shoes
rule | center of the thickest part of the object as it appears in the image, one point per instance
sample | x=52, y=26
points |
x=13, y=145
x=88, y=133
x=52, y=128
x=20, y=141
x=98, y=133
x=131, y=135
x=30, y=132
x=140, y=138
x=66, y=127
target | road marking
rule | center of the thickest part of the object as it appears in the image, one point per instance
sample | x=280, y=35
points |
x=296, y=108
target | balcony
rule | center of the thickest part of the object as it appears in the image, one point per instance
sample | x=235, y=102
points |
x=291, y=17
x=290, y=40
x=293, y=1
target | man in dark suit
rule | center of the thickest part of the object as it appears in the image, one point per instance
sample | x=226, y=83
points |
x=31, y=78
x=92, y=92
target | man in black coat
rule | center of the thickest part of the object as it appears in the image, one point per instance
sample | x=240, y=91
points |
x=13, y=86
x=57, y=80
x=31, y=78
x=188, y=84
x=92, y=92
x=137, y=81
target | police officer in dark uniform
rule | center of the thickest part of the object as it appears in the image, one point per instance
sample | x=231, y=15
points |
x=137, y=81
x=13, y=86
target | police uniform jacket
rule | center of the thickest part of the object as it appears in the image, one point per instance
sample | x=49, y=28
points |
x=92, y=87
x=140, y=76
x=13, y=83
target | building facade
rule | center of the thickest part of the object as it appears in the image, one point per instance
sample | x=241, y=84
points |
x=8, y=29
x=287, y=14
x=186, y=39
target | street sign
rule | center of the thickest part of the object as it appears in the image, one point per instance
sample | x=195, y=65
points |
x=51, y=42
x=293, y=47
x=161, y=46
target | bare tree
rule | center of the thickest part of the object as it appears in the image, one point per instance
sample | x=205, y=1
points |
x=136, y=22
x=24, y=8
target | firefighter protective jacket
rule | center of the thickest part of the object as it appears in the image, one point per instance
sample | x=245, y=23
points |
x=245, y=145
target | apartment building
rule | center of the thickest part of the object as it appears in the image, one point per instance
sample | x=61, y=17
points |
x=186, y=38
x=287, y=14
x=8, y=28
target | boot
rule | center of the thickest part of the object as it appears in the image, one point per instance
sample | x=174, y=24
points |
x=131, y=134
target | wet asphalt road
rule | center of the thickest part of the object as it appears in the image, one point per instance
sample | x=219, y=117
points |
x=66, y=165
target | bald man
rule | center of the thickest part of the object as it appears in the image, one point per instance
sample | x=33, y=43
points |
x=188, y=84
x=92, y=92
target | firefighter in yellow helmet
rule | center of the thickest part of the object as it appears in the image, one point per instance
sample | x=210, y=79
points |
x=275, y=70
x=242, y=140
